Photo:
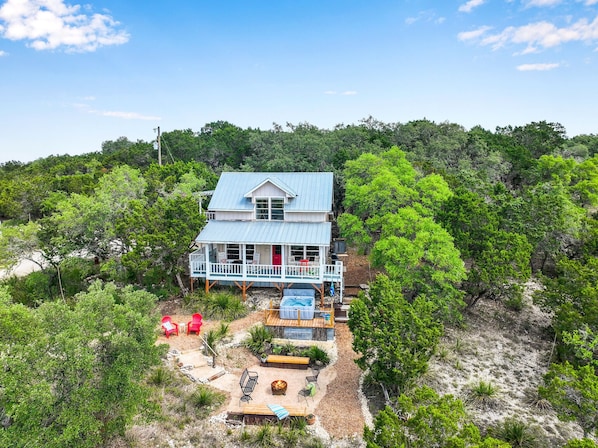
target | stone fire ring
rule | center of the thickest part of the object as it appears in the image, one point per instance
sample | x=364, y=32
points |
x=279, y=387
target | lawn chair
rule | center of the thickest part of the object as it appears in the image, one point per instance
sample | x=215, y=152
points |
x=313, y=378
x=194, y=324
x=169, y=326
x=308, y=392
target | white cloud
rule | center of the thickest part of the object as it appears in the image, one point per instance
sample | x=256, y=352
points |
x=117, y=114
x=425, y=16
x=51, y=24
x=536, y=67
x=346, y=92
x=590, y=2
x=535, y=36
x=3, y=53
x=129, y=115
x=471, y=35
x=470, y=5
x=541, y=3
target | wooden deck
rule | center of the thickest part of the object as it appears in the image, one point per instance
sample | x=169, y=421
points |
x=272, y=319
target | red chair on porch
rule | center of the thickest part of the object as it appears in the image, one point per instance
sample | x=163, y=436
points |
x=169, y=326
x=194, y=324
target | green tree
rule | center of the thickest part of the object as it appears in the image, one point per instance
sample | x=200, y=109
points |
x=394, y=338
x=546, y=214
x=159, y=236
x=18, y=243
x=419, y=254
x=73, y=376
x=499, y=261
x=573, y=392
x=88, y=223
x=572, y=297
x=423, y=419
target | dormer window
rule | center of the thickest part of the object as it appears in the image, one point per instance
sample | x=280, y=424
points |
x=269, y=209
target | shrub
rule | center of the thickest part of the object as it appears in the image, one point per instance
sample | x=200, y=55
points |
x=483, y=393
x=160, y=376
x=222, y=331
x=515, y=303
x=204, y=399
x=221, y=305
x=291, y=437
x=31, y=290
x=517, y=433
x=211, y=337
x=264, y=436
x=315, y=353
x=260, y=339
x=73, y=274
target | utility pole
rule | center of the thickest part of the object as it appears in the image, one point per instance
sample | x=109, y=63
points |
x=159, y=146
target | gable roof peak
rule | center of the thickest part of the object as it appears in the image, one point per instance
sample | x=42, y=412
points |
x=277, y=183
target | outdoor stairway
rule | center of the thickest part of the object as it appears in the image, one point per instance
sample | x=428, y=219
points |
x=196, y=366
x=341, y=311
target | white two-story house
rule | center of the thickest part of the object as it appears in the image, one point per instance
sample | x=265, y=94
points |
x=268, y=230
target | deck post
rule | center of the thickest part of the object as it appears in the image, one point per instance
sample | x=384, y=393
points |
x=244, y=287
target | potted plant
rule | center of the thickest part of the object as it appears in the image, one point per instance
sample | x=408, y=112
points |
x=263, y=357
x=310, y=418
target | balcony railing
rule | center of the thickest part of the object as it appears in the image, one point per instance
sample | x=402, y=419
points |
x=236, y=270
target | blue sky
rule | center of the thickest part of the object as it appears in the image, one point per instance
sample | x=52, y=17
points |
x=73, y=75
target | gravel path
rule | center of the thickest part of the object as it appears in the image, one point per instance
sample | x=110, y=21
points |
x=340, y=410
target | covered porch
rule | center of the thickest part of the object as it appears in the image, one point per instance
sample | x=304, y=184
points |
x=247, y=273
x=265, y=254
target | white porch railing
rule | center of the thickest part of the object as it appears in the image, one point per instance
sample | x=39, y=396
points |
x=199, y=268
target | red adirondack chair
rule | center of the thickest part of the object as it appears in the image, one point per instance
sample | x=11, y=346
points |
x=169, y=326
x=194, y=324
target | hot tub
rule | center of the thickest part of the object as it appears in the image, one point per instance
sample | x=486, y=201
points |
x=292, y=307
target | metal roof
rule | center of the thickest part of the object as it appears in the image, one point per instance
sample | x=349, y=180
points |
x=314, y=191
x=266, y=232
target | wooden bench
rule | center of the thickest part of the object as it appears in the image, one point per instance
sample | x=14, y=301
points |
x=288, y=362
x=255, y=414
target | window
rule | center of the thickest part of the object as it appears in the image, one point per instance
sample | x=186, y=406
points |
x=296, y=253
x=311, y=252
x=261, y=209
x=269, y=209
x=232, y=252
x=277, y=210
x=249, y=252
x=304, y=253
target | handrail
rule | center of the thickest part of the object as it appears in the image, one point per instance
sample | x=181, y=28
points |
x=206, y=348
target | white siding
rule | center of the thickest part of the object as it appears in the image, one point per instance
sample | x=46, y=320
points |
x=233, y=216
x=268, y=191
x=306, y=217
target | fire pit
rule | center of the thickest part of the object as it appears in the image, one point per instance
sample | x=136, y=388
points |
x=279, y=387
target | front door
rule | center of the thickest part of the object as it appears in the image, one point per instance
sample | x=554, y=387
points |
x=277, y=255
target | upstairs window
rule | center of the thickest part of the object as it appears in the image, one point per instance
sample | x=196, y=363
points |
x=277, y=209
x=262, y=209
x=269, y=209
